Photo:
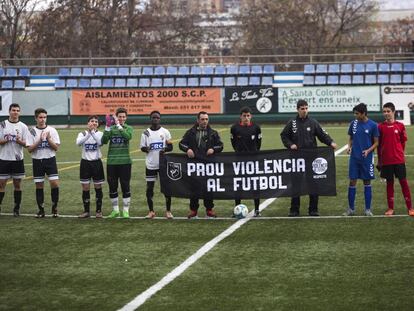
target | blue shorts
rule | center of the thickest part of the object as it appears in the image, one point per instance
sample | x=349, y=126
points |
x=361, y=169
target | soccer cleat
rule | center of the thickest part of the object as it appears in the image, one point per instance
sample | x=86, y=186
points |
x=210, y=213
x=411, y=212
x=389, y=212
x=84, y=215
x=40, y=214
x=368, y=212
x=16, y=213
x=113, y=214
x=349, y=212
x=293, y=214
x=314, y=214
x=192, y=215
x=151, y=215
x=169, y=215
x=257, y=213
x=125, y=214
x=98, y=215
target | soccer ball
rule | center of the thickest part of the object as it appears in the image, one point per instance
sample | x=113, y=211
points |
x=240, y=211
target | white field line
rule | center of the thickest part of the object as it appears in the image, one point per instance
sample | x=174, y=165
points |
x=221, y=218
x=144, y=296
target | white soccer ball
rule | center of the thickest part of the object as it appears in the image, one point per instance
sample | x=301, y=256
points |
x=240, y=211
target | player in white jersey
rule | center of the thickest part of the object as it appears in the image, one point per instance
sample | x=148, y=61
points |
x=91, y=166
x=12, y=141
x=154, y=140
x=42, y=142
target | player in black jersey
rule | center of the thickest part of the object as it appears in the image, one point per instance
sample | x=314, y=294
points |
x=246, y=136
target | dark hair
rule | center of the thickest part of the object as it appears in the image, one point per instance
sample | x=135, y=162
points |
x=389, y=105
x=39, y=111
x=93, y=117
x=301, y=103
x=361, y=108
x=121, y=110
x=200, y=113
x=13, y=105
x=245, y=109
x=154, y=111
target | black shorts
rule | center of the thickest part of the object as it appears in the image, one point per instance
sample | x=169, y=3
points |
x=389, y=171
x=151, y=175
x=42, y=167
x=11, y=169
x=91, y=170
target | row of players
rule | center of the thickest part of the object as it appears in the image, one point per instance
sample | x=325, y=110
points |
x=42, y=142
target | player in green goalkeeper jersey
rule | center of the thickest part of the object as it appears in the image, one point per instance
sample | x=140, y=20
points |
x=118, y=134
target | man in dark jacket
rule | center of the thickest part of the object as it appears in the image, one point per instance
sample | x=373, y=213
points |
x=301, y=133
x=200, y=142
x=246, y=136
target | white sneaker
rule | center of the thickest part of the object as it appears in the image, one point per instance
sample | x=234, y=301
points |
x=368, y=212
x=169, y=215
x=349, y=212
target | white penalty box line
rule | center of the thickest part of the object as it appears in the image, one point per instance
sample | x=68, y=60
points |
x=171, y=276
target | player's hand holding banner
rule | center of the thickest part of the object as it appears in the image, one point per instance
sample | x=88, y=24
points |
x=265, y=174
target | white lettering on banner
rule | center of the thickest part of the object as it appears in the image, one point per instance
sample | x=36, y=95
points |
x=205, y=169
x=213, y=185
x=250, y=94
x=258, y=183
x=269, y=167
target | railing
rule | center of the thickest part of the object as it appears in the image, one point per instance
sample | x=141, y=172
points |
x=285, y=62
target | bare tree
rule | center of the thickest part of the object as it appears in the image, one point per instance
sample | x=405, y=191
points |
x=14, y=17
x=303, y=25
x=399, y=33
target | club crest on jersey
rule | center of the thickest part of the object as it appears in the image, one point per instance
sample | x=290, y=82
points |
x=174, y=170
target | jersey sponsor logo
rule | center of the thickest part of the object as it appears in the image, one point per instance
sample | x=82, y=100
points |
x=91, y=147
x=354, y=126
x=44, y=144
x=117, y=140
x=10, y=137
x=156, y=146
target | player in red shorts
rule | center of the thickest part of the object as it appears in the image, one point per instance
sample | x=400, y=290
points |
x=391, y=160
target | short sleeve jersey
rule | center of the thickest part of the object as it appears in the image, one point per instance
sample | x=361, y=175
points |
x=43, y=151
x=393, y=137
x=91, y=145
x=362, y=135
x=155, y=141
x=12, y=151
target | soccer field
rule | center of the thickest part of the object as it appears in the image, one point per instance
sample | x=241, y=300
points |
x=269, y=263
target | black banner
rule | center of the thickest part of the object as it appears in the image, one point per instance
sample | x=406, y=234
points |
x=259, y=99
x=266, y=174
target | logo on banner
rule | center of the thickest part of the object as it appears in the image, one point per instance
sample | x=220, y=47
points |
x=319, y=166
x=264, y=105
x=174, y=170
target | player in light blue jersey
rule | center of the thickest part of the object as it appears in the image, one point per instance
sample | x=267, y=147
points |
x=363, y=139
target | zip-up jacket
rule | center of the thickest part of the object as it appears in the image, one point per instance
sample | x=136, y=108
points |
x=209, y=138
x=303, y=133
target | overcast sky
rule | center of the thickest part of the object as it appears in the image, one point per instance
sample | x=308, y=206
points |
x=397, y=4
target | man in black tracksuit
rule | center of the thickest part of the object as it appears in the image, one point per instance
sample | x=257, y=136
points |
x=246, y=136
x=301, y=132
x=201, y=141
